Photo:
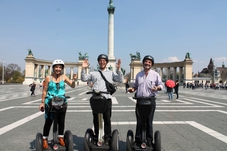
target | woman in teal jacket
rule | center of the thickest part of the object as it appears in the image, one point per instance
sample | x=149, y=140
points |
x=55, y=87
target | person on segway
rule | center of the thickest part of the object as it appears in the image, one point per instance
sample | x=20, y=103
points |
x=54, y=87
x=99, y=85
x=147, y=83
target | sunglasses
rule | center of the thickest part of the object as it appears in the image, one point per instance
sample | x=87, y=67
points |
x=58, y=86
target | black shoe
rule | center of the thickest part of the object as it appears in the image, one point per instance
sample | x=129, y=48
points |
x=136, y=143
x=149, y=143
x=107, y=140
x=95, y=139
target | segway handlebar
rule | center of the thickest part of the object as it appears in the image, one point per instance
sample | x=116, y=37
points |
x=97, y=92
x=67, y=97
x=144, y=98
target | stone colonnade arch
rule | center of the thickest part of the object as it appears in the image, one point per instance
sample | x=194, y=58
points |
x=185, y=68
x=37, y=69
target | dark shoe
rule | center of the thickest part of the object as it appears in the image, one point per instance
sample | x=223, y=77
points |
x=45, y=143
x=149, y=143
x=61, y=141
x=107, y=140
x=136, y=143
x=95, y=139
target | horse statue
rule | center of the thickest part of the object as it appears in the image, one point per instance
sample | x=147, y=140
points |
x=83, y=57
x=135, y=57
x=187, y=56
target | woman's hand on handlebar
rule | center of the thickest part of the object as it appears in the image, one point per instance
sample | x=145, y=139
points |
x=42, y=107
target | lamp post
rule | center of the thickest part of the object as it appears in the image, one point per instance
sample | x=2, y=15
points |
x=2, y=71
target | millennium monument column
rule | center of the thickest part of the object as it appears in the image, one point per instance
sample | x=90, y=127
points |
x=112, y=60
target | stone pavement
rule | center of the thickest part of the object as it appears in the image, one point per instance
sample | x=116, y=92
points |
x=221, y=94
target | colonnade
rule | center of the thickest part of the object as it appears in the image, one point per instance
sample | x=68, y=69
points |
x=36, y=69
x=182, y=68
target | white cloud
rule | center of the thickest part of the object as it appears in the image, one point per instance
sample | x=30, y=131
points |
x=219, y=61
x=171, y=59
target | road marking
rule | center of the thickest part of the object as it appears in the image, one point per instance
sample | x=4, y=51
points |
x=132, y=99
x=209, y=101
x=7, y=108
x=18, y=123
x=213, y=105
x=209, y=131
x=83, y=93
x=114, y=100
x=201, y=127
x=30, y=102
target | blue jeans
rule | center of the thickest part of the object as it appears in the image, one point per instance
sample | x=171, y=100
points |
x=170, y=95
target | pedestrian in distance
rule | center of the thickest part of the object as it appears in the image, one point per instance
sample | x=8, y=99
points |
x=99, y=85
x=32, y=89
x=54, y=86
x=176, y=88
x=126, y=85
x=147, y=83
x=169, y=91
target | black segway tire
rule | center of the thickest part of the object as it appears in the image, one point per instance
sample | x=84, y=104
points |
x=129, y=140
x=157, y=141
x=115, y=141
x=68, y=137
x=39, y=142
x=88, y=138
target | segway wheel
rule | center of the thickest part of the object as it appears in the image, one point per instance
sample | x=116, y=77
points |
x=115, y=141
x=68, y=137
x=39, y=142
x=89, y=134
x=129, y=140
x=157, y=139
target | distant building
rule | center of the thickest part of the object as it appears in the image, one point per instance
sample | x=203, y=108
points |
x=211, y=74
x=207, y=72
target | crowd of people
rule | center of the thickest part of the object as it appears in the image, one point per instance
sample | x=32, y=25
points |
x=215, y=86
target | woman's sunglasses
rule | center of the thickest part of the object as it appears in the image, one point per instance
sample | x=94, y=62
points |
x=58, y=86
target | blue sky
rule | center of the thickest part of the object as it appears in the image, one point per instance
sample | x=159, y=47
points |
x=165, y=29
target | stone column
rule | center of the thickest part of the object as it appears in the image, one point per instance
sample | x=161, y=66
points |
x=180, y=74
x=112, y=60
x=175, y=73
x=161, y=72
x=168, y=73
x=29, y=70
x=42, y=71
x=49, y=70
x=188, y=70
x=136, y=67
x=71, y=72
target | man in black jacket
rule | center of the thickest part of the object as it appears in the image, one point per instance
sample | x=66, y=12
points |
x=33, y=85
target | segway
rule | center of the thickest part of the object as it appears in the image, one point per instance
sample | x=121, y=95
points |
x=97, y=103
x=54, y=144
x=144, y=109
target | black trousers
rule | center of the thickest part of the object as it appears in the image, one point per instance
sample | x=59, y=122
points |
x=49, y=121
x=106, y=118
x=32, y=93
x=176, y=91
x=149, y=125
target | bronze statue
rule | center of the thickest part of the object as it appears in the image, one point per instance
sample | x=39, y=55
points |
x=135, y=57
x=83, y=57
x=111, y=3
x=187, y=56
x=30, y=52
